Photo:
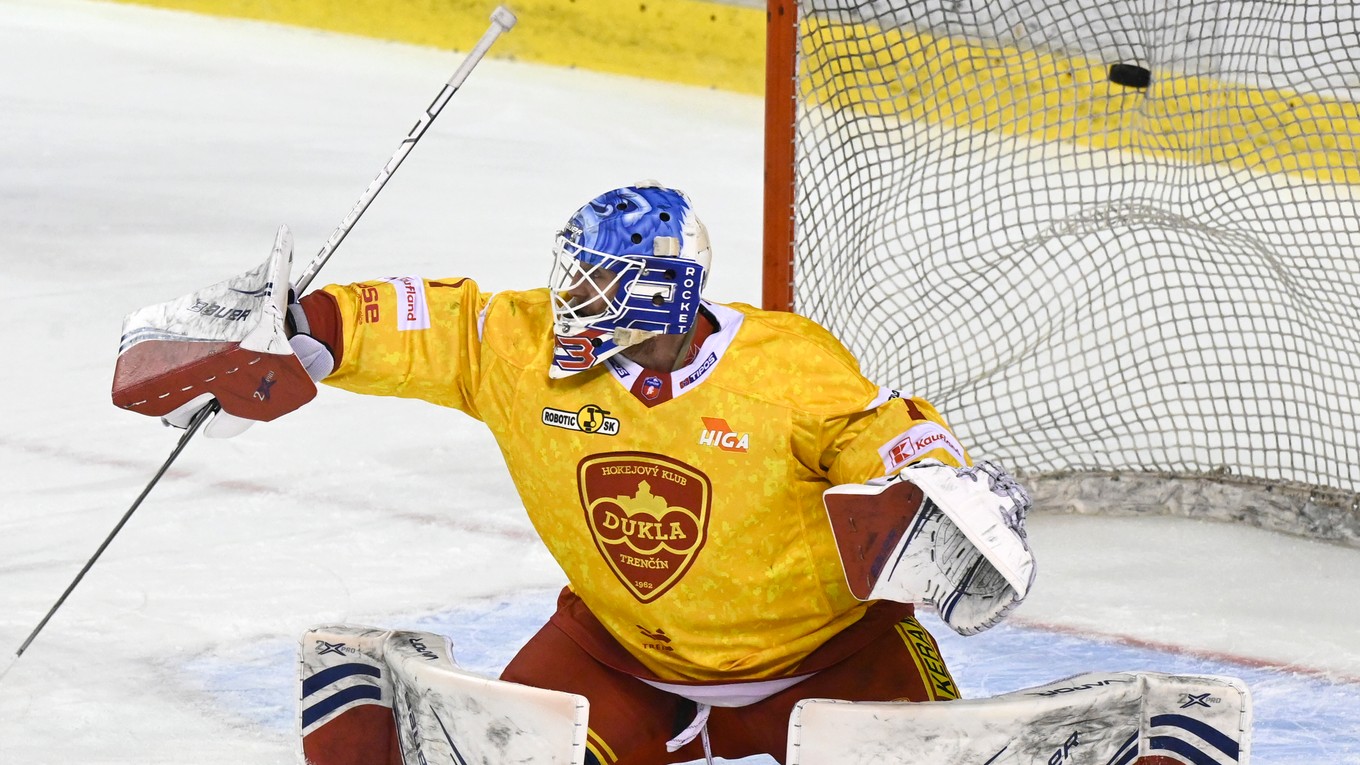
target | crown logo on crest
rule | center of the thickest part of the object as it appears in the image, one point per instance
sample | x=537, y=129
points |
x=648, y=515
x=657, y=528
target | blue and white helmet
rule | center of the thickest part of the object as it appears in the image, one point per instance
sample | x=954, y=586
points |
x=630, y=265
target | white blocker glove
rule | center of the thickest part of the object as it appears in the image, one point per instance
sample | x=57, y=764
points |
x=316, y=360
x=225, y=343
x=953, y=538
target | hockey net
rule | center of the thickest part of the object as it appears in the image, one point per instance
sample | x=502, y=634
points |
x=1137, y=285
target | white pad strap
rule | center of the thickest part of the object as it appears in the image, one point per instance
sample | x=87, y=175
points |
x=692, y=730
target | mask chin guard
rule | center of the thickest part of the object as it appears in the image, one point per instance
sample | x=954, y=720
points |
x=625, y=337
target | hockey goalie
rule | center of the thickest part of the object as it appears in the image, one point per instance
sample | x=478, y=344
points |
x=745, y=523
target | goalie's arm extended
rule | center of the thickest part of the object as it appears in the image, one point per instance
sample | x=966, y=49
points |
x=405, y=336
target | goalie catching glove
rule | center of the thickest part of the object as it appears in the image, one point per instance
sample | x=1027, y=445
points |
x=950, y=537
x=225, y=343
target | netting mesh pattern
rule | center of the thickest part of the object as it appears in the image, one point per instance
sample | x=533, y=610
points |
x=1088, y=275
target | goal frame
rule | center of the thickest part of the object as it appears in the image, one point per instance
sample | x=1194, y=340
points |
x=1316, y=511
x=781, y=113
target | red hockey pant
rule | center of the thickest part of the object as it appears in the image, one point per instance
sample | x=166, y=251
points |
x=631, y=721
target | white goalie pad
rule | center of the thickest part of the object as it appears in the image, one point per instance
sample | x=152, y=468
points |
x=950, y=537
x=379, y=697
x=1123, y=718
x=226, y=341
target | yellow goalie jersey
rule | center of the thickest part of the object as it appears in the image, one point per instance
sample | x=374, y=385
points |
x=684, y=503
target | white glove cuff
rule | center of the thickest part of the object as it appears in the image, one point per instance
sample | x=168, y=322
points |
x=316, y=358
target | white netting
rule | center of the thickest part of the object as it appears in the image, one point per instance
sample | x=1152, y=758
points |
x=1084, y=275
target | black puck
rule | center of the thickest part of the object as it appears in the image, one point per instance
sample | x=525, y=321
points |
x=1130, y=75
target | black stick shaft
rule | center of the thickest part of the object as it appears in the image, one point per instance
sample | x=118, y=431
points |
x=502, y=20
x=194, y=424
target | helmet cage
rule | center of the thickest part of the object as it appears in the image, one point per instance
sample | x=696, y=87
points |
x=628, y=266
x=647, y=295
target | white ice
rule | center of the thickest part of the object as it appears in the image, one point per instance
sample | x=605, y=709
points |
x=146, y=153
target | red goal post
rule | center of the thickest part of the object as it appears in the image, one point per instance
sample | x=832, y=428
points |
x=1118, y=248
x=781, y=112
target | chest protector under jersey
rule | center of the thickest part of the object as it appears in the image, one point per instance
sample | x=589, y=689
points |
x=684, y=507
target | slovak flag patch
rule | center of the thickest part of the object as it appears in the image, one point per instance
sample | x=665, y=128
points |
x=918, y=441
x=651, y=386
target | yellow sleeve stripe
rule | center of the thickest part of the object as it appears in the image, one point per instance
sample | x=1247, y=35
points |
x=599, y=748
x=939, y=683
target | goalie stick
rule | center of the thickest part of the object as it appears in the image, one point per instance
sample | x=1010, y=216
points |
x=502, y=20
x=198, y=420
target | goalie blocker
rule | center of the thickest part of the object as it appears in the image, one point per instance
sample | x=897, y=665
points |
x=225, y=342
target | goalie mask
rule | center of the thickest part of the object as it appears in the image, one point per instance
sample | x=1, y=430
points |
x=628, y=266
